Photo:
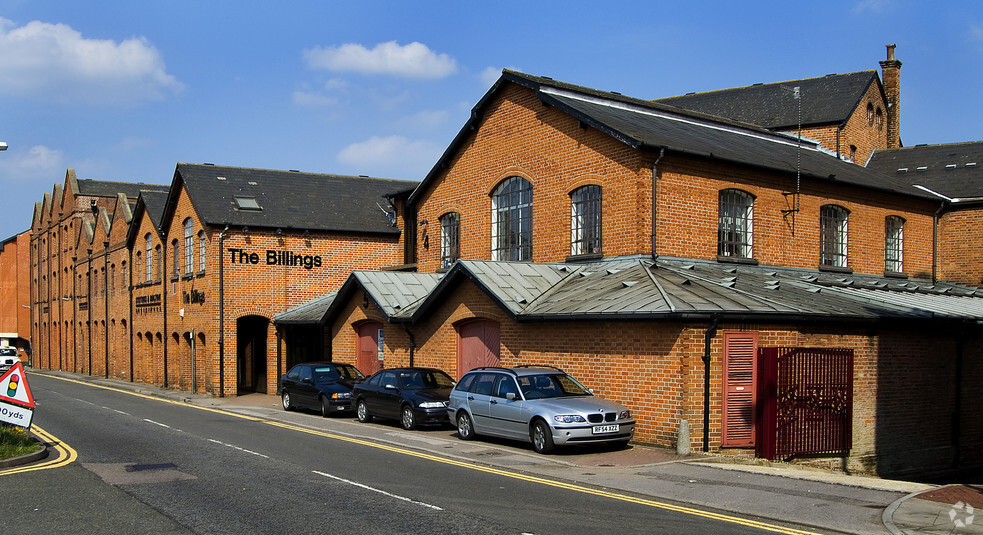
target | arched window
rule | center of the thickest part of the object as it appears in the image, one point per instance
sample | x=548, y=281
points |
x=189, y=247
x=450, y=238
x=202, y=250
x=735, y=224
x=149, y=258
x=833, y=235
x=176, y=259
x=511, y=230
x=585, y=220
x=894, y=244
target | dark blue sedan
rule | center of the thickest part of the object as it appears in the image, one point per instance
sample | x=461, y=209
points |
x=414, y=396
x=322, y=386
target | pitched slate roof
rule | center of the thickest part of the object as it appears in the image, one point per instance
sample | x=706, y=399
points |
x=105, y=188
x=645, y=125
x=952, y=170
x=829, y=99
x=289, y=199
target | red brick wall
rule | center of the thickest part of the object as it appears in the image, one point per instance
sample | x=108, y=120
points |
x=959, y=248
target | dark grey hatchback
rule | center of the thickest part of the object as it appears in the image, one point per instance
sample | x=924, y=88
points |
x=323, y=386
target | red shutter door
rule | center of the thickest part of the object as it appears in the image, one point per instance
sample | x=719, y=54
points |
x=368, y=348
x=739, y=382
x=478, y=345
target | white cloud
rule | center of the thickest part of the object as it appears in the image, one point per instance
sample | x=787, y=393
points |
x=37, y=163
x=391, y=157
x=54, y=62
x=414, y=60
x=424, y=119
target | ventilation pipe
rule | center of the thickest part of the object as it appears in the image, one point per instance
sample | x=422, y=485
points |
x=221, y=313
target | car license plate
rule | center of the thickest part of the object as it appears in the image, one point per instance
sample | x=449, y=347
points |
x=601, y=429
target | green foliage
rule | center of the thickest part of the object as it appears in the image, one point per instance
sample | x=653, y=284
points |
x=14, y=442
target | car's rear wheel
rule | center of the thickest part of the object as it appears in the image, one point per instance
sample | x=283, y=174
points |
x=362, y=412
x=465, y=428
x=285, y=399
x=406, y=418
x=325, y=407
x=542, y=437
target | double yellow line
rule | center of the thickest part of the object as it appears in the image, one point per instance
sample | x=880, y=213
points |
x=70, y=456
x=64, y=454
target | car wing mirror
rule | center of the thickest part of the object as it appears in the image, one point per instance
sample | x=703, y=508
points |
x=511, y=396
x=390, y=387
x=307, y=380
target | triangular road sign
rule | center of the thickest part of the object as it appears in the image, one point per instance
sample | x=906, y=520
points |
x=13, y=387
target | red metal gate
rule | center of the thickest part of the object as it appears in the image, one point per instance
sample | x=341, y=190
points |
x=806, y=401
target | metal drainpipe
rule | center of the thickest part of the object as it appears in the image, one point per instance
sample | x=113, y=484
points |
x=935, y=242
x=129, y=294
x=105, y=298
x=655, y=198
x=412, y=341
x=957, y=405
x=221, y=313
x=707, y=337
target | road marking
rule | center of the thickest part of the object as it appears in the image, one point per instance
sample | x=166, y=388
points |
x=380, y=491
x=149, y=421
x=244, y=450
x=774, y=528
x=65, y=454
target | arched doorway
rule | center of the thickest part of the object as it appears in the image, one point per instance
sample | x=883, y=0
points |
x=477, y=345
x=368, y=361
x=251, y=333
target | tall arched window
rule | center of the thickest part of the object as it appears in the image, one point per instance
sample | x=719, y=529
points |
x=585, y=220
x=833, y=235
x=176, y=258
x=189, y=247
x=149, y=258
x=894, y=244
x=450, y=238
x=735, y=224
x=512, y=220
x=202, y=250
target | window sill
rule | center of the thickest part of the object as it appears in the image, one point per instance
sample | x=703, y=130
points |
x=200, y=273
x=737, y=260
x=836, y=269
x=187, y=276
x=584, y=257
x=895, y=275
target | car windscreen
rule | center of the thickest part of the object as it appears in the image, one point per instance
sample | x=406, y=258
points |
x=8, y=352
x=416, y=380
x=550, y=386
x=345, y=371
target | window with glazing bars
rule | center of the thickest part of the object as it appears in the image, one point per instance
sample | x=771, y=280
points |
x=150, y=258
x=833, y=235
x=894, y=244
x=585, y=220
x=189, y=247
x=202, y=250
x=512, y=220
x=735, y=227
x=450, y=238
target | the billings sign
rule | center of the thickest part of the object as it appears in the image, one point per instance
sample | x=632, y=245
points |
x=274, y=258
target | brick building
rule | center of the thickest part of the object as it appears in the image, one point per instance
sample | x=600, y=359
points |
x=176, y=286
x=679, y=262
x=15, y=294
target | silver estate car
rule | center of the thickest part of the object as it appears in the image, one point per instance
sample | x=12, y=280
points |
x=536, y=404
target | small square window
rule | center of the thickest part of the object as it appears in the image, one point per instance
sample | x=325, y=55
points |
x=247, y=203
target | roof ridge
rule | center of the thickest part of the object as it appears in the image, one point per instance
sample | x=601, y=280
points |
x=765, y=84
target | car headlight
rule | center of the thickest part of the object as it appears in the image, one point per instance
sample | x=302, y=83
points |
x=341, y=395
x=432, y=405
x=624, y=415
x=569, y=418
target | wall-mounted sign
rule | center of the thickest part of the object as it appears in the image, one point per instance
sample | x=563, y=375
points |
x=274, y=258
x=194, y=297
x=146, y=304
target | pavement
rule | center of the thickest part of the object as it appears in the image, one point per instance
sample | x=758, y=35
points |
x=697, y=478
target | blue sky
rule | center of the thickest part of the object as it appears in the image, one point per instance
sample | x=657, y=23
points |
x=123, y=90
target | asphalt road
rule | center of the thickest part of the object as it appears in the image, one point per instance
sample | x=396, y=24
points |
x=149, y=466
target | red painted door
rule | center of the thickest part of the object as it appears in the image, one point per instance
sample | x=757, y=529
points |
x=367, y=360
x=739, y=389
x=478, y=345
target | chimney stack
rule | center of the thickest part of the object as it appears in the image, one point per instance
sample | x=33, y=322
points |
x=891, y=77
